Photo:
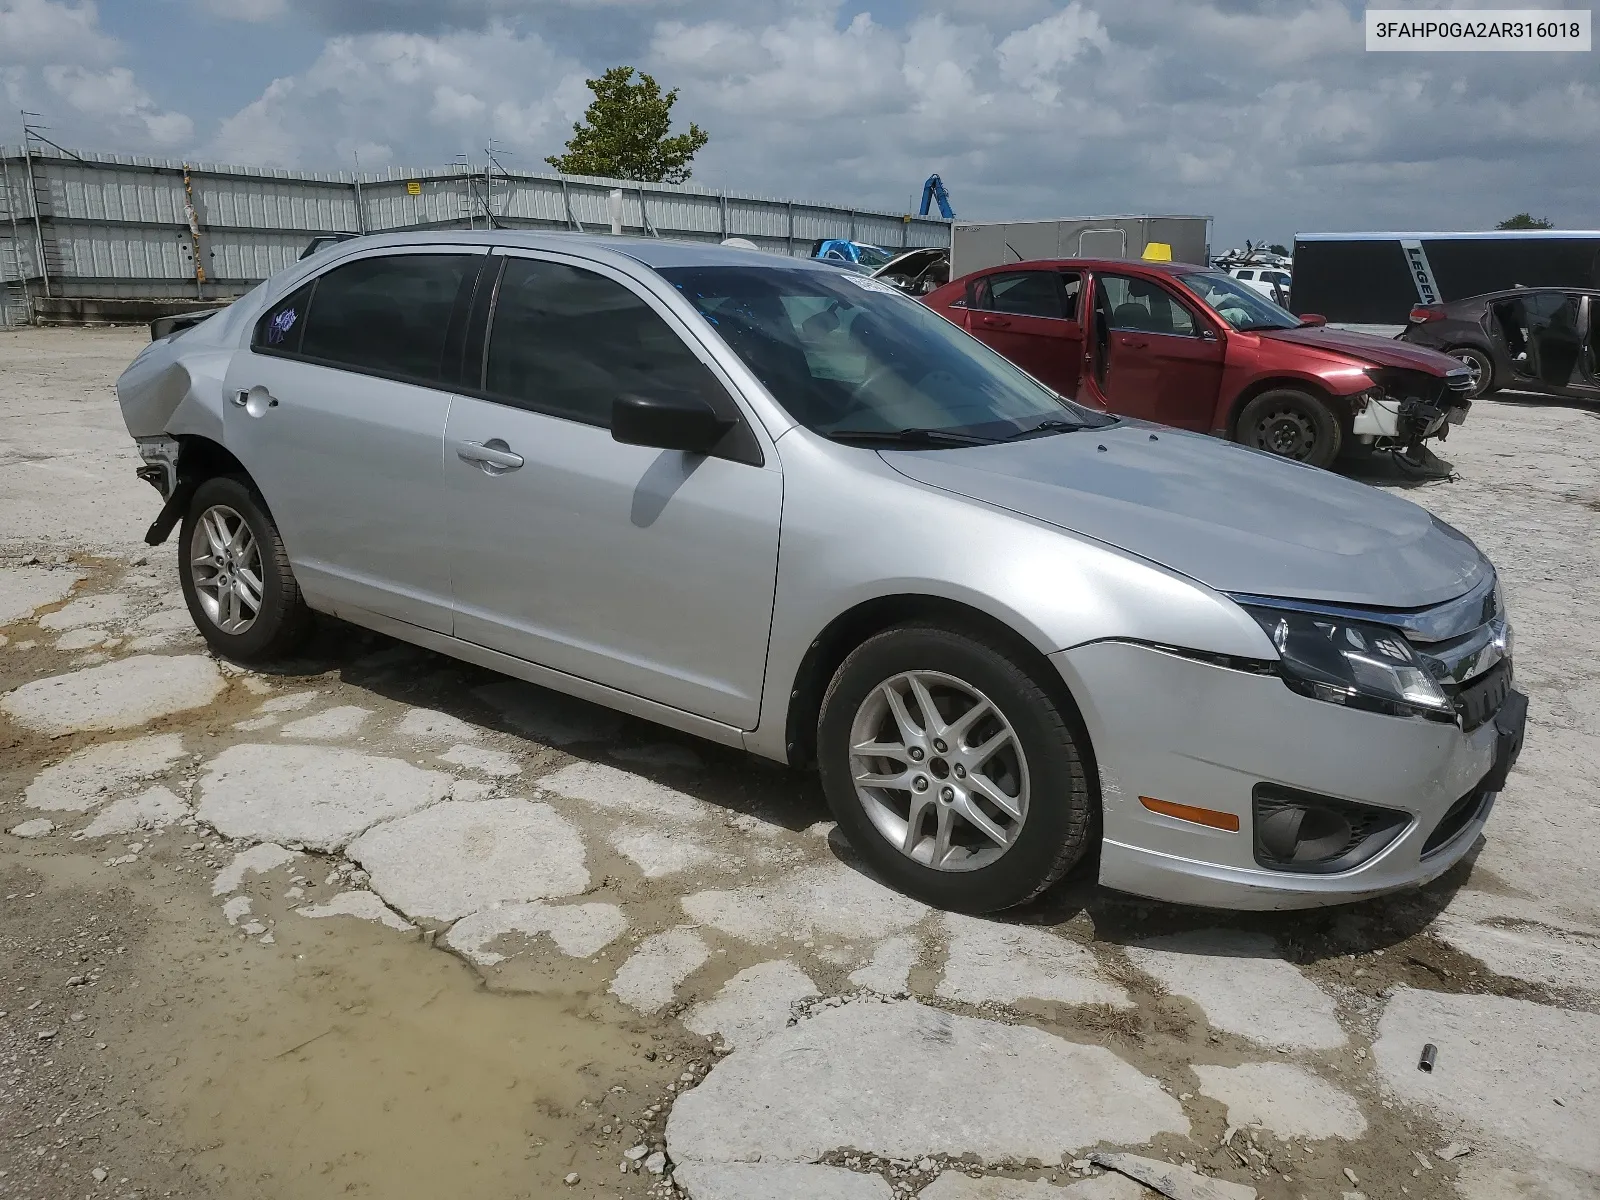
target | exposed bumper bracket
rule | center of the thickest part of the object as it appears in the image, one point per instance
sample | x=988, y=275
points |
x=171, y=512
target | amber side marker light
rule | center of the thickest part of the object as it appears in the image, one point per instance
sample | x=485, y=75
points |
x=1188, y=812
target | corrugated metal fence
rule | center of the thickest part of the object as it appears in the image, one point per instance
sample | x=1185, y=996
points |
x=116, y=227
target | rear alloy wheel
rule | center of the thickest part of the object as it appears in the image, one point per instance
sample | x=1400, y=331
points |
x=953, y=773
x=236, y=576
x=1481, y=366
x=1292, y=424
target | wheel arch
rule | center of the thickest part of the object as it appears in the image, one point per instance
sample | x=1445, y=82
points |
x=1339, y=406
x=855, y=625
x=200, y=458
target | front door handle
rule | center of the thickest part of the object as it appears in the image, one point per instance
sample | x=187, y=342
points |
x=995, y=322
x=494, y=457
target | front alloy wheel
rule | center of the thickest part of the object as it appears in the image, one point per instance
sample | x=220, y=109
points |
x=956, y=766
x=939, y=771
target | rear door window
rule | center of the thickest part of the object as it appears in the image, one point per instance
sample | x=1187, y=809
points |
x=567, y=342
x=389, y=315
x=1022, y=294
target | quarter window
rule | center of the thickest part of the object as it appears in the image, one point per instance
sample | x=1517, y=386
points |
x=568, y=342
x=280, y=327
x=387, y=315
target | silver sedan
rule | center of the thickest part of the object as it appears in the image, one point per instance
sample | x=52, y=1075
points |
x=785, y=508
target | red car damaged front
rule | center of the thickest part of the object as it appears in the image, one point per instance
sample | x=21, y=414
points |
x=1193, y=348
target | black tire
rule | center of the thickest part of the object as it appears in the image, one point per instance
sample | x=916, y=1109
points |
x=282, y=621
x=1292, y=424
x=1482, y=365
x=1059, y=822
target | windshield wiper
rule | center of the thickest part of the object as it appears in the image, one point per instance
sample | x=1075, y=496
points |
x=906, y=437
x=1048, y=425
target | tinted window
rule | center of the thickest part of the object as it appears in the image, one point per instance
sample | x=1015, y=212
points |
x=1145, y=307
x=569, y=342
x=281, y=325
x=387, y=315
x=1022, y=293
x=849, y=355
x=1551, y=308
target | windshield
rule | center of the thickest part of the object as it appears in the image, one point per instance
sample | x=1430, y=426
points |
x=846, y=355
x=1240, y=305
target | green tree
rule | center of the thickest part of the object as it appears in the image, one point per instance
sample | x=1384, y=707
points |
x=1526, y=221
x=624, y=135
x=1278, y=248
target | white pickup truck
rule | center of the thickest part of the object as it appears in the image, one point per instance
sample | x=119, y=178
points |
x=1271, y=282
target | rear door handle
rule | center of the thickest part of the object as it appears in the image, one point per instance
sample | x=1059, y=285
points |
x=495, y=457
x=1135, y=343
x=995, y=322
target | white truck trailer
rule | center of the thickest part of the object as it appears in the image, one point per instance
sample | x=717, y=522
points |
x=975, y=245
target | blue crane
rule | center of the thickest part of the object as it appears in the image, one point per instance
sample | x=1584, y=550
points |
x=933, y=190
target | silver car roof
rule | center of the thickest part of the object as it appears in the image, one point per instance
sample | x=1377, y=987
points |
x=652, y=252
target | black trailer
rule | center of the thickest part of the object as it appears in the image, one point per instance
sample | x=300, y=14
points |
x=1375, y=278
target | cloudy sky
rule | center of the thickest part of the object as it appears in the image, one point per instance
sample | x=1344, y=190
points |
x=1267, y=114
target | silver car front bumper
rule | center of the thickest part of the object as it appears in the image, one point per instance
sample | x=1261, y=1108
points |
x=1187, y=732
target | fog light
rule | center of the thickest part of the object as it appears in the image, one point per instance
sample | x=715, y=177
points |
x=1301, y=831
x=1298, y=832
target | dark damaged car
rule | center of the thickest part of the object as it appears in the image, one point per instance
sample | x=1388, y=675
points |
x=1531, y=339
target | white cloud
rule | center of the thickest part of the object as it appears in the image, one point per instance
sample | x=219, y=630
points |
x=43, y=30
x=1032, y=58
x=113, y=99
x=254, y=11
x=431, y=96
x=1269, y=116
x=56, y=60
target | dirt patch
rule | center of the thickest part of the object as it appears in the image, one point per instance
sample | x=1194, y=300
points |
x=343, y=1059
x=73, y=1119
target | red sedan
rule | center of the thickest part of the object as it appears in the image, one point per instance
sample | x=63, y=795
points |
x=1190, y=347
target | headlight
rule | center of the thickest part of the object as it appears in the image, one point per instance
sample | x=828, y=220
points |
x=1353, y=663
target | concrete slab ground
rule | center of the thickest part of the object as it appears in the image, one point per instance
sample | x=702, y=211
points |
x=378, y=922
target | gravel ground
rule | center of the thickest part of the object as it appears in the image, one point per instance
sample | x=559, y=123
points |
x=380, y=922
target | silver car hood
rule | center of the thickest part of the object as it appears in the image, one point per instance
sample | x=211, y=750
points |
x=1237, y=520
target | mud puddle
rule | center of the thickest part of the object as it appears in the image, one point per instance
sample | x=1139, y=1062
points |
x=346, y=1060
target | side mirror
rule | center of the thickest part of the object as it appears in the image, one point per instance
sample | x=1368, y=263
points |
x=668, y=422
x=1313, y=319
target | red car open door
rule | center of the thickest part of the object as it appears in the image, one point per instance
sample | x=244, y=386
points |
x=1150, y=355
x=1032, y=318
